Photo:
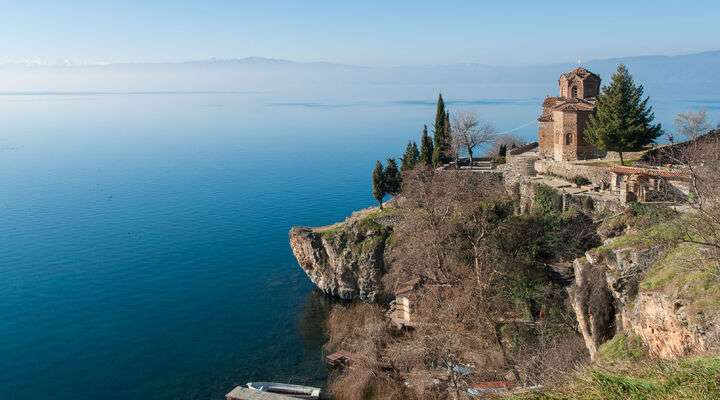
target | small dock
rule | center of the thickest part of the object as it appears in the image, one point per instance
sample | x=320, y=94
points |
x=243, y=393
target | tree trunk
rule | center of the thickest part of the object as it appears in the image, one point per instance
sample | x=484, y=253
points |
x=469, y=149
x=476, y=256
x=622, y=161
x=506, y=355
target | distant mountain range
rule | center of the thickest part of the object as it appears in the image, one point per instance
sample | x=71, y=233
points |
x=691, y=75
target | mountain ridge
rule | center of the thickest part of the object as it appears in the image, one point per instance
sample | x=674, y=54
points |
x=259, y=61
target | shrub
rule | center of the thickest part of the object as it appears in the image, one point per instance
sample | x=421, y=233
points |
x=547, y=199
x=641, y=216
x=499, y=160
x=580, y=180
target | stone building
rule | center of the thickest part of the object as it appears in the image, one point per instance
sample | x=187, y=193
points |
x=564, y=117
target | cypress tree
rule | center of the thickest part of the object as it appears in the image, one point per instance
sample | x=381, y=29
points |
x=426, y=148
x=502, y=150
x=378, y=183
x=393, y=178
x=441, y=148
x=623, y=119
x=439, y=127
x=410, y=157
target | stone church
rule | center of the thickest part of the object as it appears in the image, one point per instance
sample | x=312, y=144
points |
x=564, y=118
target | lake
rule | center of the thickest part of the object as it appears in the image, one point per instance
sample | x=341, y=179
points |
x=143, y=244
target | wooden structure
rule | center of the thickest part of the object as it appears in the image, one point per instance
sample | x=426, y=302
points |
x=340, y=358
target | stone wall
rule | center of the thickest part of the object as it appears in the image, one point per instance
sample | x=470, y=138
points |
x=597, y=175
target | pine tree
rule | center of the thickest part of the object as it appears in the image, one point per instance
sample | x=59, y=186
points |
x=410, y=157
x=623, y=119
x=426, y=148
x=378, y=183
x=441, y=145
x=393, y=178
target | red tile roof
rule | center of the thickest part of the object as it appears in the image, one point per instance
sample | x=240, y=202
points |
x=580, y=72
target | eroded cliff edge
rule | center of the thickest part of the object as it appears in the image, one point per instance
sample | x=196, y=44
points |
x=644, y=283
x=346, y=260
x=647, y=285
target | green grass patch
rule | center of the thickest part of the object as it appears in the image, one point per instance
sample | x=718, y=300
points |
x=330, y=229
x=685, y=272
x=661, y=233
x=622, y=348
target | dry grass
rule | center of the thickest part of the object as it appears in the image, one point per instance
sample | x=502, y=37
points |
x=689, y=379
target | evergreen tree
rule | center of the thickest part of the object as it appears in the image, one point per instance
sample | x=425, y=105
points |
x=378, y=183
x=623, y=119
x=410, y=157
x=393, y=178
x=426, y=148
x=441, y=145
x=502, y=150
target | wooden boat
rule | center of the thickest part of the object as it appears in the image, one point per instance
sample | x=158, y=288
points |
x=297, y=391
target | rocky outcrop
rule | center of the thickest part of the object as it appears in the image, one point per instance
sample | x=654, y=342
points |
x=608, y=299
x=593, y=305
x=345, y=260
x=664, y=326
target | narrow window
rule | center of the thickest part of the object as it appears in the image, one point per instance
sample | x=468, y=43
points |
x=573, y=92
x=568, y=138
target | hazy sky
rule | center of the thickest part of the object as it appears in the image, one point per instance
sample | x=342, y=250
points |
x=372, y=32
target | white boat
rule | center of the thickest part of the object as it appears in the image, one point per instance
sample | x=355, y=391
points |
x=297, y=391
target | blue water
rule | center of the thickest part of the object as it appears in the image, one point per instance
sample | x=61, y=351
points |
x=143, y=243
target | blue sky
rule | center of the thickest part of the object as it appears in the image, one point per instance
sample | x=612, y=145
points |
x=358, y=32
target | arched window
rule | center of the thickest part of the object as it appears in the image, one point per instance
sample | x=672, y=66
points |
x=573, y=92
x=568, y=138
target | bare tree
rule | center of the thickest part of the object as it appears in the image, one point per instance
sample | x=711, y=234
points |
x=510, y=141
x=700, y=160
x=691, y=124
x=486, y=308
x=469, y=133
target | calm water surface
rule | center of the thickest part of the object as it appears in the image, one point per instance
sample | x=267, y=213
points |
x=143, y=244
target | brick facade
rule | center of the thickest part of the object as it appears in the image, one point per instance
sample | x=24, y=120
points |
x=564, y=118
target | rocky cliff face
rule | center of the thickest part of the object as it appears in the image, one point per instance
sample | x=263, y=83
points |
x=609, y=296
x=345, y=260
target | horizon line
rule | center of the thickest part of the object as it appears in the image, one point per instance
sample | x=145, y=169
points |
x=71, y=64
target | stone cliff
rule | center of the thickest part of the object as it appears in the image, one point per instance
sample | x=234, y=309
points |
x=345, y=260
x=646, y=284
x=643, y=286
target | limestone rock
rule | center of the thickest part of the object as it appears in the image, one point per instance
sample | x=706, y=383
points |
x=346, y=260
x=607, y=300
